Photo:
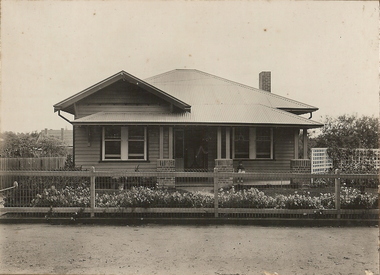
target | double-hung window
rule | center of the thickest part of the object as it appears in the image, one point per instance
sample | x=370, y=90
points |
x=263, y=143
x=124, y=143
x=252, y=143
x=241, y=142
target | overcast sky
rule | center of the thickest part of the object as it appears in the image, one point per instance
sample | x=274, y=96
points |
x=321, y=53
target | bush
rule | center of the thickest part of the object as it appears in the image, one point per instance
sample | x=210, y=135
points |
x=351, y=198
x=68, y=196
x=30, y=186
x=149, y=197
x=298, y=201
x=252, y=198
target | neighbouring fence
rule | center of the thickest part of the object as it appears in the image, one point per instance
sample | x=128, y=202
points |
x=356, y=158
x=77, y=194
x=35, y=164
x=42, y=164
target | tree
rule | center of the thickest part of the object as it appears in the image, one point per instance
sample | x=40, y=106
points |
x=349, y=131
x=344, y=135
x=29, y=145
x=17, y=145
x=51, y=147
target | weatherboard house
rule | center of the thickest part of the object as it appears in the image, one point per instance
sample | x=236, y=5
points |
x=185, y=120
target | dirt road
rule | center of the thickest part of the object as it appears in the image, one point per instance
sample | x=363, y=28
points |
x=158, y=249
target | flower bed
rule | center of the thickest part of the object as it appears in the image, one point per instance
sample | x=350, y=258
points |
x=252, y=198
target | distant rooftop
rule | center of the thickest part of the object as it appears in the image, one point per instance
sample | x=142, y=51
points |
x=63, y=134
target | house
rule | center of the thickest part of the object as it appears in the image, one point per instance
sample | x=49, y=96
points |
x=185, y=120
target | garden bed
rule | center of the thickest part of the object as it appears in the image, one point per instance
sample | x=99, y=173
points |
x=144, y=197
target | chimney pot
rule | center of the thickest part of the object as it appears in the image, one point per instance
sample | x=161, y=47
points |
x=265, y=81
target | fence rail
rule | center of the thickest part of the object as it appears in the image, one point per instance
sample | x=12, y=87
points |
x=110, y=181
x=258, y=176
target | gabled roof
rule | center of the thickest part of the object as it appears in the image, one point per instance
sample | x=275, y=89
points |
x=200, y=88
x=122, y=75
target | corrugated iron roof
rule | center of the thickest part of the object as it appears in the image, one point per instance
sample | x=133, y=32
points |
x=213, y=100
x=199, y=88
x=213, y=114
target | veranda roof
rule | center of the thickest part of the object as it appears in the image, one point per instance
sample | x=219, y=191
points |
x=255, y=114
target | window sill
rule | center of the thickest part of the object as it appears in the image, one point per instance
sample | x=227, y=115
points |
x=242, y=159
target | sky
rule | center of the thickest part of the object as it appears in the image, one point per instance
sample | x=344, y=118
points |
x=322, y=53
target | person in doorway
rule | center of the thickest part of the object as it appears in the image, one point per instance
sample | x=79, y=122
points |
x=240, y=169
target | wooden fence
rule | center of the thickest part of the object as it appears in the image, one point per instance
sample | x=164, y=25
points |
x=38, y=164
x=214, y=212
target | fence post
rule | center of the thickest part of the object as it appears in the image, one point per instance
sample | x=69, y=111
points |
x=337, y=193
x=216, y=189
x=92, y=191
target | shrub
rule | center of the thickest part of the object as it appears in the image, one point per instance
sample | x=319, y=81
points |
x=153, y=197
x=251, y=198
x=298, y=201
x=149, y=197
x=68, y=196
x=30, y=186
x=351, y=198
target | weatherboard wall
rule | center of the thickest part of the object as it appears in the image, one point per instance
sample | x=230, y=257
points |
x=88, y=151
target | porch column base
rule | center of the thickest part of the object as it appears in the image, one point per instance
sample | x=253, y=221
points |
x=300, y=166
x=224, y=165
x=166, y=165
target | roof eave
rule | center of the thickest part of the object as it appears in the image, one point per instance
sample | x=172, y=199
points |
x=299, y=111
x=229, y=124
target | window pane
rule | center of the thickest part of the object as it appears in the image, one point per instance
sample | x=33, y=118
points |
x=263, y=149
x=136, y=133
x=112, y=132
x=112, y=149
x=263, y=133
x=178, y=144
x=263, y=143
x=136, y=150
x=242, y=142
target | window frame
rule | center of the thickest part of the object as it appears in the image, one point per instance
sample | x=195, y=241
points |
x=124, y=144
x=252, y=153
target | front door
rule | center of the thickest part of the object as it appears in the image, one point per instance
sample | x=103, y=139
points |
x=196, y=149
x=191, y=149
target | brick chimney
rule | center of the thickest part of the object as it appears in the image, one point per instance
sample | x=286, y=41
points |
x=264, y=81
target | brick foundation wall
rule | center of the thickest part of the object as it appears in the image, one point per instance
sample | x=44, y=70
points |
x=300, y=166
x=224, y=165
x=166, y=165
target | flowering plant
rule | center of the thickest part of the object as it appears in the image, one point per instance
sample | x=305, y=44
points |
x=247, y=198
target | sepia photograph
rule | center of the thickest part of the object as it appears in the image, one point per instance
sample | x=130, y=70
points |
x=189, y=137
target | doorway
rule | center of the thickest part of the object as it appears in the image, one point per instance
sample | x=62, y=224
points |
x=191, y=149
